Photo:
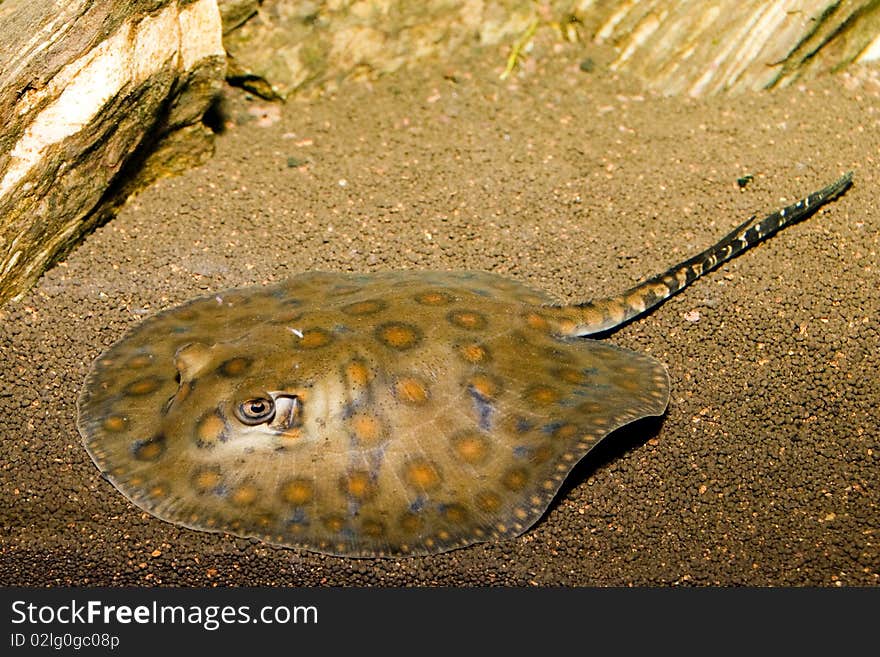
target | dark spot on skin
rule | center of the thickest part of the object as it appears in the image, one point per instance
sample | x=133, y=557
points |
x=488, y=501
x=298, y=491
x=515, y=479
x=455, y=513
x=207, y=480
x=411, y=522
x=468, y=319
x=334, y=522
x=471, y=447
x=143, y=386
x=115, y=423
x=210, y=429
x=358, y=485
x=245, y=494
x=140, y=360
x=398, y=335
x=434, y=298
x=373, y=528
x=543, y=395
x=422, y=475
x=572, y=375
x=473, y=352
x=566, y=431
x=313, y=338
x=411, y=390
x=149, y=450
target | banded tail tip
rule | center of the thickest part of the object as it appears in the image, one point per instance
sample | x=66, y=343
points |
x=838, y=187
x=606, y=314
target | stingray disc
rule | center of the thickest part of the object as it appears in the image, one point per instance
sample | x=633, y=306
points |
x=391, y=414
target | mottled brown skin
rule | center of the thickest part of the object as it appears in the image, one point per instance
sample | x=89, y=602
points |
x=397, y=413
x=421, y=411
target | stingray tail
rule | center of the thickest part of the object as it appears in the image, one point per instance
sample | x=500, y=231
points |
x=606, y=314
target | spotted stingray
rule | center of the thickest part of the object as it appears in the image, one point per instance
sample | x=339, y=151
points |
x=387, y=414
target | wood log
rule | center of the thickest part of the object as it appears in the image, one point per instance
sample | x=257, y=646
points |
x=97, y=99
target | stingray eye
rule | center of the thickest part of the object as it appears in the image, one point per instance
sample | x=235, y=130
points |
x=255, y=411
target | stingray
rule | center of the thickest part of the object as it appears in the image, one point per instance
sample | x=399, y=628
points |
x=386, y=414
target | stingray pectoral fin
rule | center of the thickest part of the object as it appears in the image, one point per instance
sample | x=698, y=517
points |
x=607, y=314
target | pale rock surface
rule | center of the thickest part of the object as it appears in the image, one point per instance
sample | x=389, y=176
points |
x=675, y=46
x=97, y=99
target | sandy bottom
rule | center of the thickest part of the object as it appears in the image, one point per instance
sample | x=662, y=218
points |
x=763, y=471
